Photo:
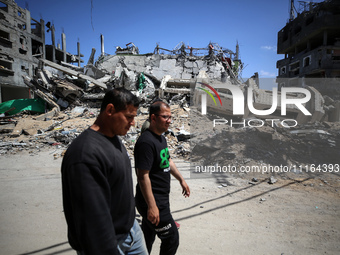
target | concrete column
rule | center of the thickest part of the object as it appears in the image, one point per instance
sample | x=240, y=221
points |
x=63, y=45
x=42, y=23
x=91, y=59
x=102, y=44
x=28, y=22
x=29, y=30
x=53, y=42
x=78, y=49
x=308, y=45
x=237, y=51
x=325, y=38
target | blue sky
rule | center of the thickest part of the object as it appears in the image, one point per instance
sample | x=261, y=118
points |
x=253, y=23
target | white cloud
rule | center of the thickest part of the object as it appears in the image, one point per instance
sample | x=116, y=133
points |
x=272, y=48
x=265, y=74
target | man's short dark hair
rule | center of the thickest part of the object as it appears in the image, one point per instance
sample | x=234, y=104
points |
x=120, y=98
x=155, y=107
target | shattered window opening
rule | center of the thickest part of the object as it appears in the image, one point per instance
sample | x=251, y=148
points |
x=3, y=6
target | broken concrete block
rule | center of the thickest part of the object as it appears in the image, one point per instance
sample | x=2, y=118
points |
x=183, y=135
x=167, y=64
x=7, y=128
x=272, y=180
x=30, y=126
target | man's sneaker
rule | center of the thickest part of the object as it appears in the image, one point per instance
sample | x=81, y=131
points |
x=177, y=225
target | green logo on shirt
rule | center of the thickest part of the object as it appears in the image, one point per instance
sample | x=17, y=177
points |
x=165, y=158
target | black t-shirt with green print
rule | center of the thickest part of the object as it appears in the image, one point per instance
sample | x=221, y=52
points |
x=151, y=153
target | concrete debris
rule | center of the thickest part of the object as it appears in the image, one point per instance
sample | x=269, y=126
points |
x=6, y=128
x=29, y=126
x=73, y=97
x=183, y=135
x=272, y=180
x=258, y=148
x=129, y=49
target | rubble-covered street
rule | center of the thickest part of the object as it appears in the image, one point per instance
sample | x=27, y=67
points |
x=191, y=137
x=70, y=98
x=260, y=155
x=233, y=203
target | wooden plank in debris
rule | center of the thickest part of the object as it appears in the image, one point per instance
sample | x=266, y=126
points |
x=74, y=73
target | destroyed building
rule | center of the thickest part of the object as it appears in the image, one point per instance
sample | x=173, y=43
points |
x=170, y=71
x=311, y=46
x=175, y=75
x=22, y=40
x=310, y=42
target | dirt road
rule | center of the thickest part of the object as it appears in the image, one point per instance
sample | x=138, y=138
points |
x=224, y=214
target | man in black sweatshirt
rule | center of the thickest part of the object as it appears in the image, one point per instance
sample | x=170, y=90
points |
x=97, y=183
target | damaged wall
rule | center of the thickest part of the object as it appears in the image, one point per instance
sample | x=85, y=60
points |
x=178, y=67
x=22, y=40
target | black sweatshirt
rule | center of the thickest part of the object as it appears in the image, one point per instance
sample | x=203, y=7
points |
x=152, y=153
x=97, y=193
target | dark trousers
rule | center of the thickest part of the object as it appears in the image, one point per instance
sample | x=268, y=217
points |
x=166, y=230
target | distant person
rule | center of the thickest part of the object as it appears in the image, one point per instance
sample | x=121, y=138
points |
x=153, y=169
x=97, y=184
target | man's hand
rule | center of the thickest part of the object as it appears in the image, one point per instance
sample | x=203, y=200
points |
x=153, y=215
x=174, y=171
x=145, y=187
x=185, y=189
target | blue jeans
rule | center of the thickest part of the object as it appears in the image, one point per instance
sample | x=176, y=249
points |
x=131, y=244
x=134, y=242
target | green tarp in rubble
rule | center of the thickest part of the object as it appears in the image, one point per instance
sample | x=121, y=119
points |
x=18, y=105
x=141, y=82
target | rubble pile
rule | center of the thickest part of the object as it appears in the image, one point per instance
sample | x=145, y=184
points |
x=72, y=99
x=24, y=133
x=191, y=136
x=303, y=145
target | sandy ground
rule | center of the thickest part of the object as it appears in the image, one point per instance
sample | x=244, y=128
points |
x=295, y=216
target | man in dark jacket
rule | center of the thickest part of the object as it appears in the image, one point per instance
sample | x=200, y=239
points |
x=97, y=183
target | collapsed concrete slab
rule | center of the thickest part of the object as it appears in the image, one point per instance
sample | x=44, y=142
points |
x=174, y=86
x=74, y=73
x=183, y=62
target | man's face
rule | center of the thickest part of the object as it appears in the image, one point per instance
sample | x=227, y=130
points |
x=123, y=120
x=163, y=119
